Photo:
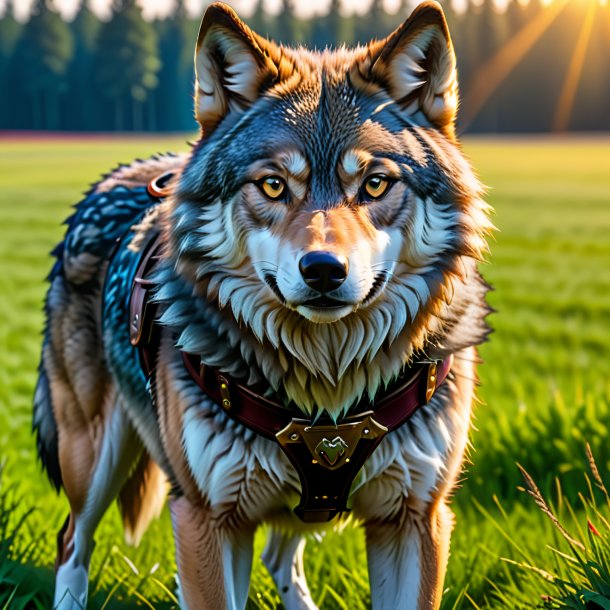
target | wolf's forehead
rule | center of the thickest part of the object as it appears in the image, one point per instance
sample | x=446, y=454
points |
x=320, y=117
x=322, y=110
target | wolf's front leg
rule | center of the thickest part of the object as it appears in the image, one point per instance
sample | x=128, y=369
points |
x=407, y=559
x=283, y=557
x=214, y=564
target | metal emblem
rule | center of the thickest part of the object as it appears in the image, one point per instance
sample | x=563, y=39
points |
x=335, y=453
x=331, y=451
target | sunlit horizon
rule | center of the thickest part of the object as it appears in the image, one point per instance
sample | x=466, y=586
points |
x=159, y=9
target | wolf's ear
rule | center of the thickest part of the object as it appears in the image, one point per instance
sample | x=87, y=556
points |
x=233, y=65
x=416, y=65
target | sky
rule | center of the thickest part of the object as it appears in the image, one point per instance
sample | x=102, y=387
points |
x=160, y=8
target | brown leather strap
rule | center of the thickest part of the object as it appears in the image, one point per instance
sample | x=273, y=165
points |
x=142, y=328
x=267, y=417
x=396, y=408
x=258, y=413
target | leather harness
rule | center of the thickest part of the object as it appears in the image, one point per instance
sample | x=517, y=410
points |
x=326, y=456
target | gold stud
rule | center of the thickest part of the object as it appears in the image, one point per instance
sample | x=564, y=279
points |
x=314, y=461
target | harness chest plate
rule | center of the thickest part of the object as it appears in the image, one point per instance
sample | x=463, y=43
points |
x=328, y=459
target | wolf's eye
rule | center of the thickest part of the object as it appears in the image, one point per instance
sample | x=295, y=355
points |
x=273, y=187
x=375, y=187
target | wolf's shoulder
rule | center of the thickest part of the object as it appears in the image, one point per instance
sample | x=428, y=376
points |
x=140, y=172
x=107, y=212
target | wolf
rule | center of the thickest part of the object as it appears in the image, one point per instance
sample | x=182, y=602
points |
x=317, y=246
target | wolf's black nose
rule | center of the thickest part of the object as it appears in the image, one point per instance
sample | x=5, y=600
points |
x=323, y=271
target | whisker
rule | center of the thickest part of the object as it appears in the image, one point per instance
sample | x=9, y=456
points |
x=381, y=263
x=271, y=265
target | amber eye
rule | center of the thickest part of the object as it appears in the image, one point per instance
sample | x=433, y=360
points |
x=375, y=187
x=273, y=187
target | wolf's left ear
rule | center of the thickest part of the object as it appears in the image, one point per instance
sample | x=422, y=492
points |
x=233, y=66
x=416, y=66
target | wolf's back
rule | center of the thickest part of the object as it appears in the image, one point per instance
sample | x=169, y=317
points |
x=72, y=352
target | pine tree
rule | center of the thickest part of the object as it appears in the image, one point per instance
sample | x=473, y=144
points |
x=176, y=78
x=605, y=19
x=83, y=108
x=489, y=36
x=374, y=25
x=284, y=26
x=319, y=37
x=259, y=20
x=467, y=53
x=330, y=30
x=10, y=30
x=592, y=97
x=333, y=24
x=39, y=66
x=452, y=19
x=515, y=16
x=126, y=63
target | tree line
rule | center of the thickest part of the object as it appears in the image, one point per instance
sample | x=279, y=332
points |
x=533, y=67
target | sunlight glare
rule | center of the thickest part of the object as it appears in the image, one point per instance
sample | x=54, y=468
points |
x=561, y=119
x=493, y=73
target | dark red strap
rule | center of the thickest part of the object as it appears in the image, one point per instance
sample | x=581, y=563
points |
x=395, y=409
x=260, y=414
x=267, y=417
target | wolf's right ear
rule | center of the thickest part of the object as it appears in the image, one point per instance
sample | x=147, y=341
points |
x=233, y=66
x=416, y=66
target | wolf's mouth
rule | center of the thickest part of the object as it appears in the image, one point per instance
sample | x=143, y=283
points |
x=324, y=302
x=380, y=280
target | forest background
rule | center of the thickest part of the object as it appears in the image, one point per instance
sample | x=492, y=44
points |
x=529, y=67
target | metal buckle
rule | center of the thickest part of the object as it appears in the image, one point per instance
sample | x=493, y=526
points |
x=159, y=185
x=331, y=446
x=431, y=379
x=225, y=395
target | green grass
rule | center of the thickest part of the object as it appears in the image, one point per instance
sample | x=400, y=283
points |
x=545, y=384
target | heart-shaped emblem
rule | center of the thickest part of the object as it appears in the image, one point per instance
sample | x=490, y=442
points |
x=331, y=451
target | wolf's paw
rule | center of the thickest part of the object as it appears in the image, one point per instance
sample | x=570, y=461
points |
x=71, y=585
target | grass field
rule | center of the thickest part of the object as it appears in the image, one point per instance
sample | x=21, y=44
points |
x=545, y=382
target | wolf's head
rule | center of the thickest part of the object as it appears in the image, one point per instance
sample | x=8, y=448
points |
x=327, y=202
